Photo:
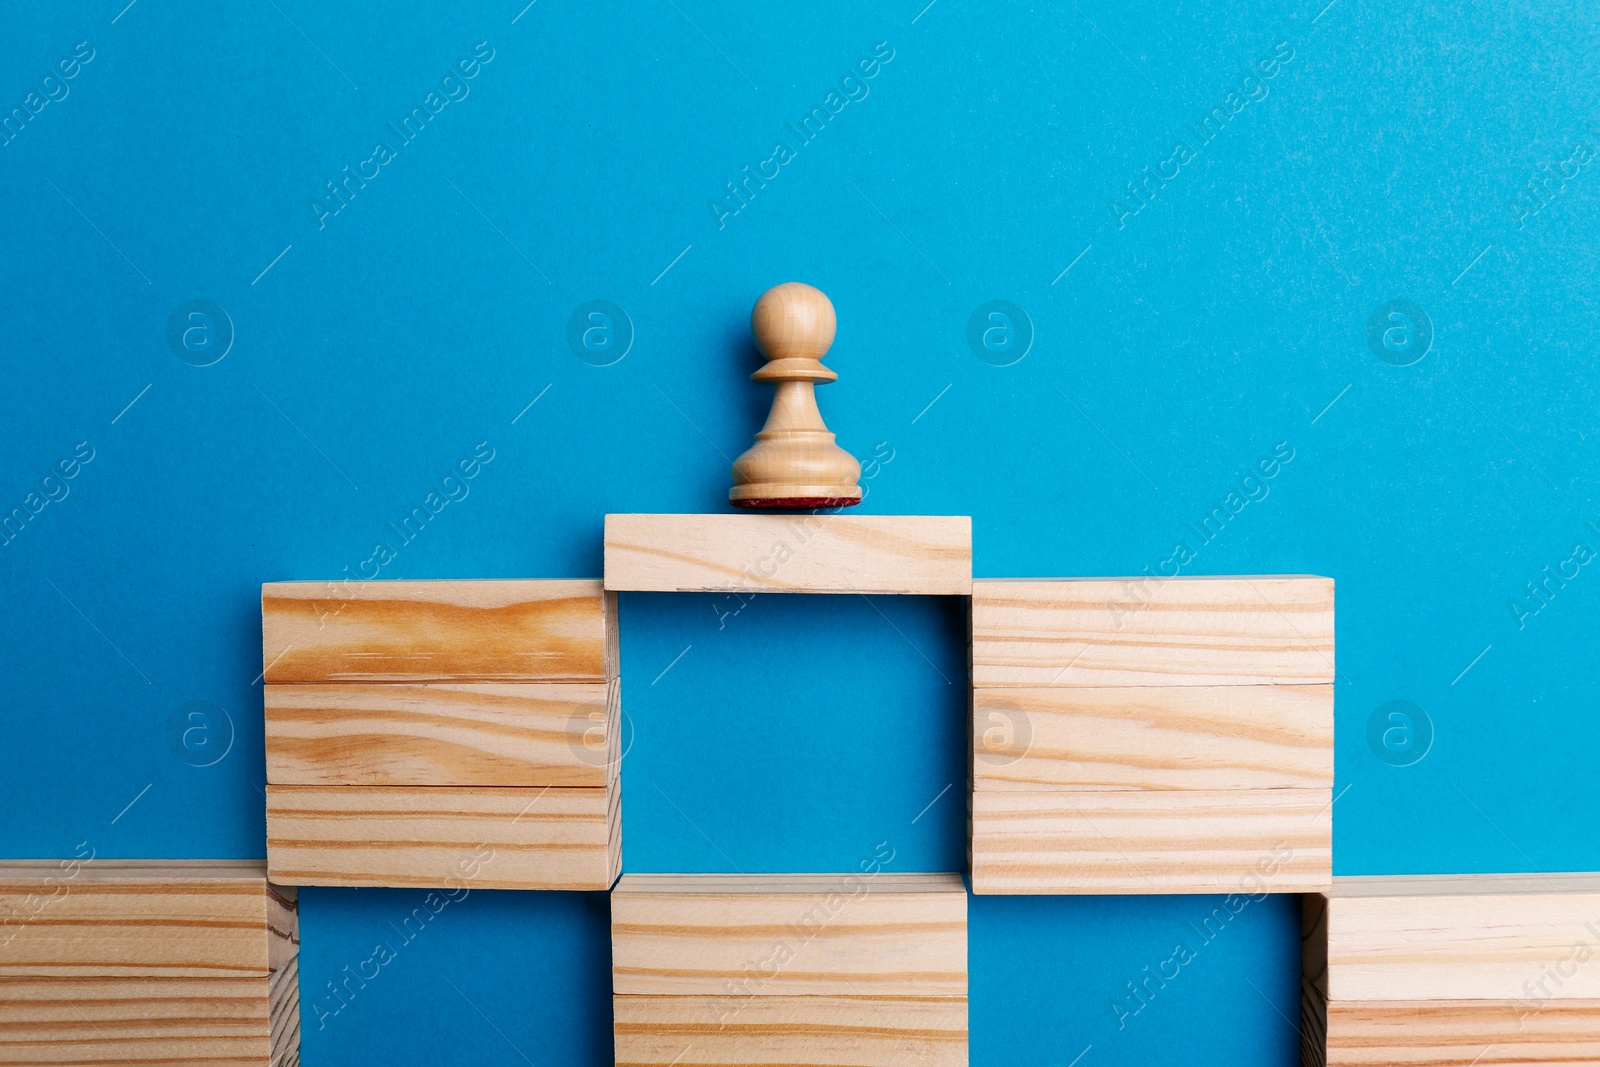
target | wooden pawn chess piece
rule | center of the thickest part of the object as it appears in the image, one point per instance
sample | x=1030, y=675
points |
x=794, y=462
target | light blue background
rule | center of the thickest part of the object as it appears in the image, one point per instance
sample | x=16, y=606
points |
x=1178, y=350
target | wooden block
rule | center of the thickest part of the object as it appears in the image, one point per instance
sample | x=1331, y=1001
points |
x=917, y=554
x=1151, y=841
x=147, y=962
x=794, y=935
x=1453, y=971
x=441, y=631
x=91, y=1022
x=510, y=734
x=817, y=1031
x=443, y=836
x=143, y=918
x=1456, y=1033
x=1179, y=631
x=1157, y=737
x=1463, y=937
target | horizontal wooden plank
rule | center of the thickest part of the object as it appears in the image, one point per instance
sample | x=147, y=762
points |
x=759, y=1031
x=93, y=1022
x=1180, y=631
x=438, y=631
x=1471, y=1033
x=510, y=733
x=1153, y=737
x=143, y=918
x=1151, y=841
x=445, y=837
x=916, y=554
x=1483, y=944
x=796, y=935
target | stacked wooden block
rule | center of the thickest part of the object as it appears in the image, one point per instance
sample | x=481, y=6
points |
x=442, y=733
x=147, y=962
x=1453, y=970
x=1152, y=736
x=861, y=970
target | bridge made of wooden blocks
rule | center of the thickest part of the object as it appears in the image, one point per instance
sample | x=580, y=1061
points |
x=1453, y=970
x=1129, y=735
x=147, y=962
x=866, y=970
x=1152, y=736
x=442, y=733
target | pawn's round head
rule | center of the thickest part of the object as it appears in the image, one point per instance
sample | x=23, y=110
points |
x=793, y=321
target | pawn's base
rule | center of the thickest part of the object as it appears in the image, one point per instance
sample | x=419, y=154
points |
x=799, y=502
x=794, y=495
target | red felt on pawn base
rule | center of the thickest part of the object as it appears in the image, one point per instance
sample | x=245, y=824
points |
x=799, y=502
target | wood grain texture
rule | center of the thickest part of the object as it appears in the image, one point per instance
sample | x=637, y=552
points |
x=510, y=734
x=438, y=631
x=138, y=918
x=1313, y=1026
x=1314, y=944
x=1151, y=841
x=1433, y=1033
x=794, y=935
x=283, y=1012
x=785, y=1031
x=1484, y=937
x=1153, y=737
x=915, y=554
x=1313, y=980
x=1129, y=632
x=443, y=836
x=205, y=1022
